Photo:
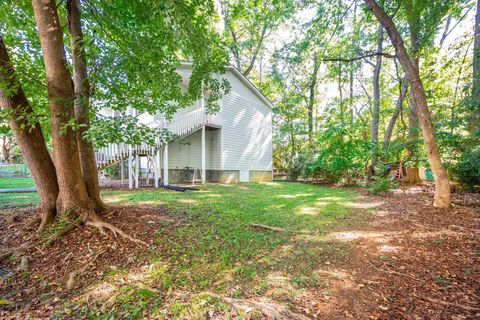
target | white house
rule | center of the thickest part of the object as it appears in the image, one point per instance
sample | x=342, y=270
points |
x=233, y=145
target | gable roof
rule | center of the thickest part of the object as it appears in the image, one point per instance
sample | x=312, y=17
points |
x=242, y=79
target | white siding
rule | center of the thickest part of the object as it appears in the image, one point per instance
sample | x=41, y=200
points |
x=188, y=151
x=244, y=141
x=246, y=130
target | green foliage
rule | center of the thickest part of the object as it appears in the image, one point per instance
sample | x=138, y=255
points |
x=468, y=170
x=382, y=184
x=341, y=154
x=134, y=49
x=297, y=167
x=126, y=129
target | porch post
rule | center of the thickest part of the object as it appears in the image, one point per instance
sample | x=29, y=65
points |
x=130, y=168
x=157, y=168
x=204, y=176
x=122, y=173
x=165, y=165
x=137, y=170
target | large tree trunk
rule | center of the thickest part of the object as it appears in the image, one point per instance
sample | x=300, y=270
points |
x=442, y=185
x=396, y=113
x=376, y=97
x=473, y=123
x=29, y=138
x=73, y=197
x=82, y=98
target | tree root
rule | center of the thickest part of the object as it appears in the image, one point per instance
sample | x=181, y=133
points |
x=450, y=304
x=269, y=310
x=71, y=277
x=20, y=249
x=101, y=225
x=263, y=226
x=46, y=218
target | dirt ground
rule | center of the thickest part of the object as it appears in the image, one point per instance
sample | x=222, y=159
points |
x=412, y=261
x=409, y=261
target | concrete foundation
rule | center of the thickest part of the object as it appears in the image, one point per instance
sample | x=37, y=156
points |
x=260, y=176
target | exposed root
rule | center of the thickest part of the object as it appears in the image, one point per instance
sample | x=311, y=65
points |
x=263, y=226
x=101, y=225
x=450, y=304
x=73, y=274
x=271, y=311
x=46, y=218
x=20, y=249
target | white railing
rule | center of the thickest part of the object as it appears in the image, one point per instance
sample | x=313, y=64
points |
x=193, y=121
x=181, y=127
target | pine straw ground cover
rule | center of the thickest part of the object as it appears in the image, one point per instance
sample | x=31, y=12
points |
x=332, y=254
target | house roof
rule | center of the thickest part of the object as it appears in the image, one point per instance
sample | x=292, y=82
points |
x=242, y=79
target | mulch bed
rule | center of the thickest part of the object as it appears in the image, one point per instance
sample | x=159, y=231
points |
x=41, y=290
x=413, y=261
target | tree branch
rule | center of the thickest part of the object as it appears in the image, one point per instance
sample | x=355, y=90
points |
x=368, y=55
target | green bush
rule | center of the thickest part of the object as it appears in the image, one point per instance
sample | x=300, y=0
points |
x=297, y=167
x=382, y=185
x=341, y=157
x=468, y=170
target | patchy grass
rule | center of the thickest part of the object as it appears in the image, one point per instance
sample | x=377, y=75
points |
x=212, y=245
x=208, y=243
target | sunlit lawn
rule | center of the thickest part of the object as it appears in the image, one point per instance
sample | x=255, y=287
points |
x=6, y=183
x=208, y=242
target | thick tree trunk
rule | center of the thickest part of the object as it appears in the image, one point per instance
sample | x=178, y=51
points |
x=376, y=98
x=396, y=113
x=82, y=98
x=29, y=138
x=73, y=197
x=442, y=185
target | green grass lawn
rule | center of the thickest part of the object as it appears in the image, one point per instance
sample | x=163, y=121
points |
x=18, y=169
x=208, y=243
x=16, y=183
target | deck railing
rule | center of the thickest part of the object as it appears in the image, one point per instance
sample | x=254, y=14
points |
x=181, y=127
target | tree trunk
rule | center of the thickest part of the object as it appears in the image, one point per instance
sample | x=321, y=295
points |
x=81, y=103
x=396, y=113
x=442, y=185
x=473, y=123
x=6, y=147
x=311, y=99
x=376, y=97
x=29, y=138
x=73, y=197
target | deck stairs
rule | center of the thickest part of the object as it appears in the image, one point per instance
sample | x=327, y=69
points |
x=180, y=127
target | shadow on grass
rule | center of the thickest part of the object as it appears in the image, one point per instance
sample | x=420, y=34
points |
x=212, y=246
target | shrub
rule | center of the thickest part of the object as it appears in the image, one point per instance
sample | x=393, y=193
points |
x=341, y=156
x=297, y=167
x=382, y=185
x=468, y=170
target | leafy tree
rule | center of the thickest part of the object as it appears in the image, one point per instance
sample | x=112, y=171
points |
x=123, y=72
